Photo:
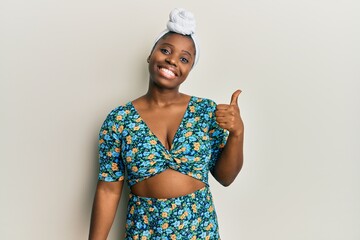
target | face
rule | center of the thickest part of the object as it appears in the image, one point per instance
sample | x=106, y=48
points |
x=171, y=60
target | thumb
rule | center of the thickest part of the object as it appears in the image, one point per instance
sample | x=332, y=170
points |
x=234, y=97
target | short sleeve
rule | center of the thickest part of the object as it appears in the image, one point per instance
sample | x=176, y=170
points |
x=111, y=167
x=218, y=137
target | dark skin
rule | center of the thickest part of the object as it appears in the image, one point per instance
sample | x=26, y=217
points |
x=162, y=109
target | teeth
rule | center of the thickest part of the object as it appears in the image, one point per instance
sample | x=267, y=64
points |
x=167, y=71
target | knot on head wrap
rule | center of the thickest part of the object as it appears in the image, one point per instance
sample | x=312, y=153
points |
x=182, y=22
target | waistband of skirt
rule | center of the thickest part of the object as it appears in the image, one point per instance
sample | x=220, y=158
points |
x=202, y=191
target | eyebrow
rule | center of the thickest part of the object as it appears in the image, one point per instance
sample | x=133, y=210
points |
x=181, y=50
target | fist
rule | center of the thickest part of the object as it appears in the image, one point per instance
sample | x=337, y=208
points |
x=228, y=115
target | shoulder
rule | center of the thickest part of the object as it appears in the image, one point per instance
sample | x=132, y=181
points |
x=119, y=113
x=204, y=103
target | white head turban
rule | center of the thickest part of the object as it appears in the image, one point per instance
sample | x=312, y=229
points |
x=182, y=22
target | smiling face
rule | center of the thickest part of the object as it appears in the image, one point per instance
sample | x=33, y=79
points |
x=171, y=60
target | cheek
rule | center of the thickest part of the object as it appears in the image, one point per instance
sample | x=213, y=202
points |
x=151, y=64
x=186, y=70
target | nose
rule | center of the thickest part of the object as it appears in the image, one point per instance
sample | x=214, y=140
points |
x=171, y=61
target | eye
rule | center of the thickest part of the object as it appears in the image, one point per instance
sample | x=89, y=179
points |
x=184, y=60
x=165, y=51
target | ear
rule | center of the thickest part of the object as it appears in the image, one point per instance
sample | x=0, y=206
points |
x=148, y=59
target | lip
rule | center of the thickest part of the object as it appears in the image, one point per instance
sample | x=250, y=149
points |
x=170, y=68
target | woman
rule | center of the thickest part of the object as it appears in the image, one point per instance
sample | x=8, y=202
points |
x=167, y=142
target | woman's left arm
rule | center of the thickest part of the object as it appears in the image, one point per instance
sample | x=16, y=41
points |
x=230, y=161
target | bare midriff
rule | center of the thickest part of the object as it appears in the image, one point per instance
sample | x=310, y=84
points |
x=168, y=184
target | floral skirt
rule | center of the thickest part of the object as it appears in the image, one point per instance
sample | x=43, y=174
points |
x=191, y=216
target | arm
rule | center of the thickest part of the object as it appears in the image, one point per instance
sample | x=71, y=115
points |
x=111, y=176
x=106, y=201
x=230, y=161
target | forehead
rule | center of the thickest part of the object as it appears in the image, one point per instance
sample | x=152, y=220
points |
x=178, y=41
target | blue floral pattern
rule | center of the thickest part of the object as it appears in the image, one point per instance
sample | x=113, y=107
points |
x=192, y=216
x=127, y=144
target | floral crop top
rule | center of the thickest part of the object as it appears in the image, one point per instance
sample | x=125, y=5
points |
x=127, y=144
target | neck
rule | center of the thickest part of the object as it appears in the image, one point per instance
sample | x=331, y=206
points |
x=161, y=96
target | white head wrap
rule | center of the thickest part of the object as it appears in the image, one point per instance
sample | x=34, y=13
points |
x=182, y=22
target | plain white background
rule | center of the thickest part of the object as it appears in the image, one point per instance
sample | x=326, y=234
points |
x=65, y=64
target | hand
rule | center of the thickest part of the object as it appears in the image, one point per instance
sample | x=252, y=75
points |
x=228, y=115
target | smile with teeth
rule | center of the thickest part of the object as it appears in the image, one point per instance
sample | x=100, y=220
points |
x=167, y=72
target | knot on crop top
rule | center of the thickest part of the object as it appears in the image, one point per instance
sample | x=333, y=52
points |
x=127, y=144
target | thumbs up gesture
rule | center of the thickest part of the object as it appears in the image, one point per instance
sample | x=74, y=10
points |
x=228, y=115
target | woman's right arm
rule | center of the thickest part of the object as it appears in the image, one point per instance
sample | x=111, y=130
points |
x=105, y=204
